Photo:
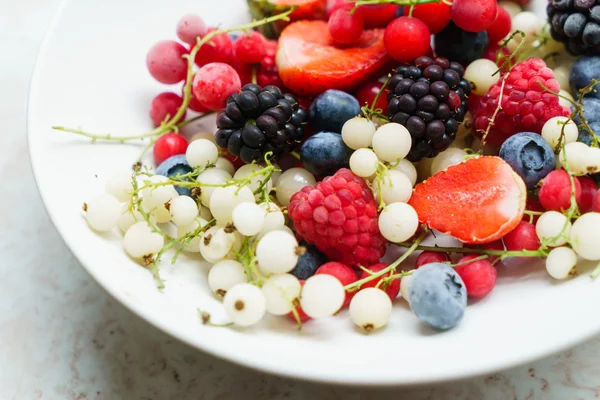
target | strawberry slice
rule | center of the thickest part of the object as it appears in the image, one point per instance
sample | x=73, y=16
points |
x=305, y=9
x=477, y=201
x=309, y=63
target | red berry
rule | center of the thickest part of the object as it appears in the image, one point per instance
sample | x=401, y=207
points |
x=333, y=5
x=596, y=205
x=500, y=27
x=214, y=83
x=473, y=101
x=393, y=287
x=244, y=71
x=250, y=47
x=495, y=245
x=435, y=15
x=165, y=63
x=479, y=276
x=366, y=95
x=474, y=15
x=405, y=39
x=301, y=313
x=378, y=15
x=533, y=204
x=190, y=27
x=428, y=257
x=268, y=73
x=218, y=49
x=168, y=145
x=344, y=27
x=164, y=106
x=588, y=194
x=343, y=273
x=523, y=237
x=555, y=193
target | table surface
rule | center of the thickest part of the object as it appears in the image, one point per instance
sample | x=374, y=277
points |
x=64, y=338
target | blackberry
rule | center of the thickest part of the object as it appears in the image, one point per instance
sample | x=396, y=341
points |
x=260, y=120
x=576, y=23
x=430, y=99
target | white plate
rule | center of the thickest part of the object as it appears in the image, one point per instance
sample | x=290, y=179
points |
x=91, y=73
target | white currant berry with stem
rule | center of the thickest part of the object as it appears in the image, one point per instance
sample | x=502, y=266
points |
x=225, y=165
x=392, y=187
x=391, y=142
x=553, y=228
x=245, y=304
x=363, y=162
x=405, y=284
x=528, y=23
x=584, y=237
x=292, y=181
x=249, y=218
x=322, y=296
x=205, y=213
x=482, y=75
x=258, y=180
x=274, y=219
x=129, y=217
x=277, y=252
x=102, y=212
x=201, y=153
x=561, y=74
x=398, y=222
x=593, y=160
x=281, y=292
x=512, y=8
x=447, y=158
x=358, y=133
x=370, y=309
x=577, y=154
x=224, y=275
x=203, y=135
x=408, y=169
x=141, y=241
x=565, y=99
x=159, y=212
x=561, y=262
x=118, y=184
x=224, y=199
x=183, y=210
x=209, y=180
x=192, y=243
x=553, y=130
x=216, y=243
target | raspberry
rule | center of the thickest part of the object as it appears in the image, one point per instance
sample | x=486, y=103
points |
x=526, y=106
x=339, y=216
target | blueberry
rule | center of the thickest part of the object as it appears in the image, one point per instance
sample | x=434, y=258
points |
x=438, y=296
x=460, y=46
x=582, y=73
x=332, y=109
x=530, y=156
x=585, y=136
x=173, y=166
x=308, y=262
x=591, y=110
x=324, y=153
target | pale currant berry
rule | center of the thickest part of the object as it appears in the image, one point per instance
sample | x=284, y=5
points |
x=358, y=133
x=584, y=237
x=183, y=210
x=244, y=304
x=576, y=155
x=398, y=222
x=203, y=135
x=561, y=74
x=512, y=8
x=224, y=275
x=225, y=165
x=140, y=241
x=447, y=158
x=216, y=243
x=277, y=252
x=553, y=128
x=322, y=296
x=564, y=102
x=370, y=309
x=155, y=196
x=394, y=187
x=405, y=283
x=225, y=199
x=119, y=184
x=211, y=176
x=363, y=162
x=274, y=219
x=204, y=213
x=424, y=169
x=201, y=153
x=408, y=169
x=248, y=218
x=481, y=74
x=553, y=228
x=391, y=142
x=256, y=182
x=102, y=212
x=276, y=175
x=561, y=262
x=128, y=218
x=280, y=291
x=193, y=246
x=292, y=181
x=159, y=212
x=593, y=160
x=528, y=23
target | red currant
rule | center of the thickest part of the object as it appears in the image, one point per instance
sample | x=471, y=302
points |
x=344, y=27
x=393, y=287
x=596, y=205
x=405, y=39
x=366, y=95
x=500, y=27
x=435, y=15
x=378, y=15
x=218, y=49
x=428, y=257
x=523, y=237
x=191, y=27
x=165, y=105
x=169, y=145
x=165, y=62
x=268, y=73
x=532, y=204
x=301, y=313
x=588, y=194
x=333, y=5
x=474, y=15
x=250, y=48
x=244, y=70
x=479, y=276
x=555, y=193
x=342, y=272
x=214, y=83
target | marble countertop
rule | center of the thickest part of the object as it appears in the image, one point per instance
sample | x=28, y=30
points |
x=63, y=337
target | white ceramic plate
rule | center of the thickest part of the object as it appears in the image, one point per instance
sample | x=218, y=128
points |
x=91, y=73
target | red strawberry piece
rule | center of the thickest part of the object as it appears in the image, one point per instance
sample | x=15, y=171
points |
x=392, y=289
x=526, y=106
x=477, y=201
x=309, y=62
x=343, y=273
x=339, y=216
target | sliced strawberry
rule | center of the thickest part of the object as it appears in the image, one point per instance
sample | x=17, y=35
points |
x=305, y=9
x=477, y=201
x=309, y=63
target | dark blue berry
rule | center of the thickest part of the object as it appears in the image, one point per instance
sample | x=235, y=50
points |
x=582, y=73
x=330, y=111
x=308, y=262
x=585, y=136
x=530, y=156
x=324, y=153
x=173, y=166
x=574, y=25
x=591, y=110
x=460, y=46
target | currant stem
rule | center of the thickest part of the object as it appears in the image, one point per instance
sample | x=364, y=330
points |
x=501, y=253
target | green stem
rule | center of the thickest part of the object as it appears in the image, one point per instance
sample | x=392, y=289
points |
x=501, y=253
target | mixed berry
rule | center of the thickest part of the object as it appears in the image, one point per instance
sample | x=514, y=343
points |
x=341, y=133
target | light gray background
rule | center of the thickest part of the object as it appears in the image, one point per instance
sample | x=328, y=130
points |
x=62, y=337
